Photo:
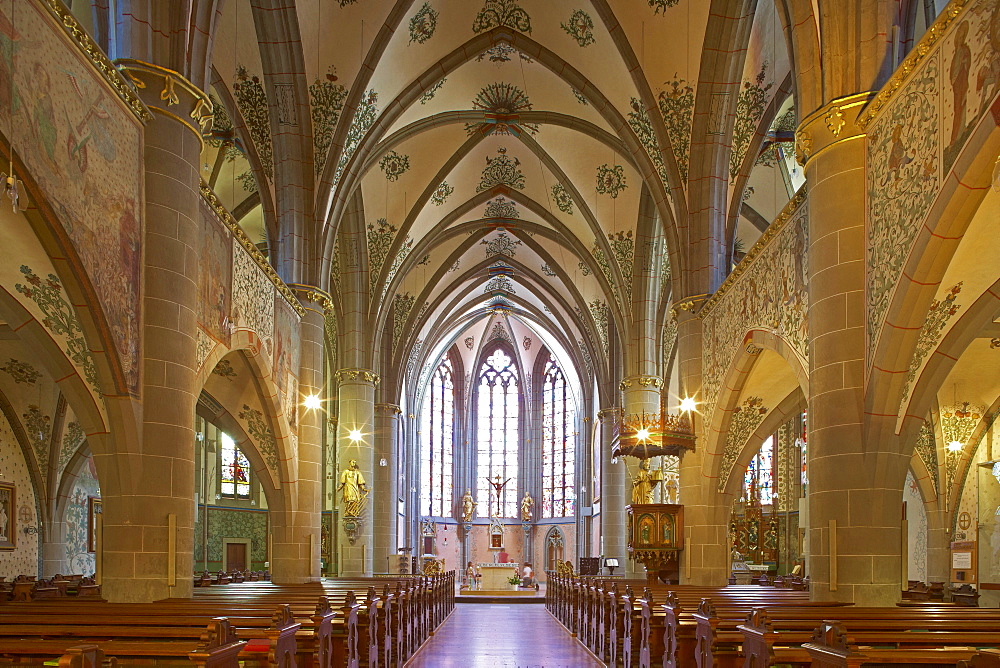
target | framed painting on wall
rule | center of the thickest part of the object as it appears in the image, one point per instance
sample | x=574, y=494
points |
x=8, y=516
x=93, y=510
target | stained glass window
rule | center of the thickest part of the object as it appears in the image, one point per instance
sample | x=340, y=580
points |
x=234, y=480
x=437, y=431
x=758, y=480
x=558, y=444
x=497, y=411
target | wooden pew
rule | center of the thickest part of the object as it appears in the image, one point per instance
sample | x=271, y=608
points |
x=219, y=646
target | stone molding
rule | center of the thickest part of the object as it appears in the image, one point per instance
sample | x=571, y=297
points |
x=223, y=214
x=606, y=414
x=98, y=59
x=934, y=33
x=357, y=376
x=174, y=90
x=833, y=123
x=770, y=233
x=392, y=409
x=688, y=304
x=640, y=381
x=310, y=293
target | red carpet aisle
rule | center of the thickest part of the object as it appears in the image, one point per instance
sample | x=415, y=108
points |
x=502, y=636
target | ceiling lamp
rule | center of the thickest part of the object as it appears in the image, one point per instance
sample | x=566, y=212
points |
x=312, y=402
x=653, y=434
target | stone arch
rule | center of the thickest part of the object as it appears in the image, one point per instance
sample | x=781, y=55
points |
x=555, y=547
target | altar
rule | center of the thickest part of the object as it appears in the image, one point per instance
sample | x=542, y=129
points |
x=494, y=576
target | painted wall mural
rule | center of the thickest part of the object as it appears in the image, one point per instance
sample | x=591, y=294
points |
x=677, y=108
x=287, y=358
x=766, y=291
x=252, y=101
x=939, y=314
x=916, y=530
x=326, y=102
x=253, y=297
x=743, y=423
x=230, y=523
x=20, y=372
x=214, y=290
x=83, y=147
x=927, y=451
x=23, y=559
x=72, y=439
x=496, y=13
x=903, y=171
x=77, y=518
x=749, y=109
x=262, y=436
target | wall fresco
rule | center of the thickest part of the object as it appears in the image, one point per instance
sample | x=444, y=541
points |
x=77, y=519
x=916, y=530
x=287, y=358
x=84, y=150
x=769, y=294
x=214, y=294
x=253, y=297
x=13, y=468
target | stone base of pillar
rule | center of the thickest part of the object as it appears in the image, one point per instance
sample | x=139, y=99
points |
x=140, y=590
x=356, y=561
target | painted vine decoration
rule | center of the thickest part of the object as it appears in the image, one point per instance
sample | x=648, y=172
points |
x=580, y=27
x=506, y=13
x=326, y=103
x=429, y=94
x=363, y=120
x=611, y=180
x=501, y=171
x=749, y=109
x=262, y=435
x=562, y=198
x=502, y=245
x=442, y=193
x=423, y=24
x=60, y=319
x=394, y=165
x=662, y=5
x=940, y=313
x=501, y=207
x=21, y=372
x=252, y=101
x=677, y=109
x=744, y=422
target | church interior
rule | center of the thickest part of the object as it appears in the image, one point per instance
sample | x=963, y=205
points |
x=323, y=340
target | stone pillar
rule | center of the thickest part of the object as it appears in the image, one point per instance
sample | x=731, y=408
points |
x=355, y=441
x=386, y=485
x=53, y=540
x=854, y=486
x=157, y=491
x=938, y=544
x=612, y=492
x=296, y=534
x=705, y=559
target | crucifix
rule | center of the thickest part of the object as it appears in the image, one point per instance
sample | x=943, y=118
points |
x=498, y=486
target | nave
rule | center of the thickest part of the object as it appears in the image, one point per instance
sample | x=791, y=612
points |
x=496, y=635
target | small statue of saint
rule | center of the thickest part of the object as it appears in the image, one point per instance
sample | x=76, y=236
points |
x=468, y=506
x=354, y=490
x=644, y=483
x=526, y=504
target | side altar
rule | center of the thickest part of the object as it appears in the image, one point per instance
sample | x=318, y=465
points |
x=656, y=538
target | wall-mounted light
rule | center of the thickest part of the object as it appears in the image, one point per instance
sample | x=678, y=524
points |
x=954, y=446
x=383, y=462
x=688, y=404
x=312, y=402
x=355, y=435
x=642, y=434
x=32, y=530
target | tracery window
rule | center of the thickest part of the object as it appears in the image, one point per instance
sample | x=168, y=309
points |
x=437, y=429
x=497, y=412
x=758, y=481
x=558, y=444
x=234, y=473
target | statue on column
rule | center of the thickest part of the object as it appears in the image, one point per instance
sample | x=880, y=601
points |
x=644, y=483
x=355, y=489
x=468, y=506
x=526, y=504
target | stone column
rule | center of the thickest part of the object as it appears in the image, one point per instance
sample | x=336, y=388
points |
x=355, y=441
x=295, y=545
x=159, y=490
x=53, y=539
x=386, y=485
x=854, y=488
x=612, y=491
x=705, y=559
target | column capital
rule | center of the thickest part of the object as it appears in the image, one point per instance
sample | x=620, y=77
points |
x=313, y=294
x=640, y=381
x=389, y=408
x=688, y=304
x=606, y=414
x=835, y=122
x=170, y=94
x=357, y=376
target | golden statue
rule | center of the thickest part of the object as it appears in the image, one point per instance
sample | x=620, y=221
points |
x=526, y=503
x=355, y=489
x=468, y=506
x=644, y=483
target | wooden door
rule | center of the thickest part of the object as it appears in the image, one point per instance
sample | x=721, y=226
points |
x=236, y=556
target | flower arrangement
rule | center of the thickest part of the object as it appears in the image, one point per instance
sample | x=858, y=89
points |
x=514, y=579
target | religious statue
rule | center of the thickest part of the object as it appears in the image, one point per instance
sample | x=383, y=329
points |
x=644, y=483
x=468, y=506
x=526, y=504
x=355, y=489
x=671, y=490
x=498, y=486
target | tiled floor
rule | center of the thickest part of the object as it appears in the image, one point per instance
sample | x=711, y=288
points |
x=502, y=636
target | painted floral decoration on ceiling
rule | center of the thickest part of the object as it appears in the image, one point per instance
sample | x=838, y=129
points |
x=611, y=180
x=502, y=244
x=676, y=103
x=502, y=102
x=547, y=270
x=469, y=341
x=501, y=207
x=502, y=53
x=394, y=165
x=580, y=27
x=579, y=97
x=502, y=171
x=430, y=92
x=662, y=5
x=21, y=372
x=749, y=109
x=441, y=193
x=562, y=198
x=326, y=102
x=252, y=102
x=423, y=24
x=497, y=13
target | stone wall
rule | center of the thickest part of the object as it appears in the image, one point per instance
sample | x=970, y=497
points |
x=24, y=558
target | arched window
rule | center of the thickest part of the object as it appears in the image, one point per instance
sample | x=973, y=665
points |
x=558, y=444
x=437, y=429
x=234, y=472
x=758, y=481
x=497, y=410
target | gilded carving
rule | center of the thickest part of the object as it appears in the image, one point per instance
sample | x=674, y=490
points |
x=357, y=376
